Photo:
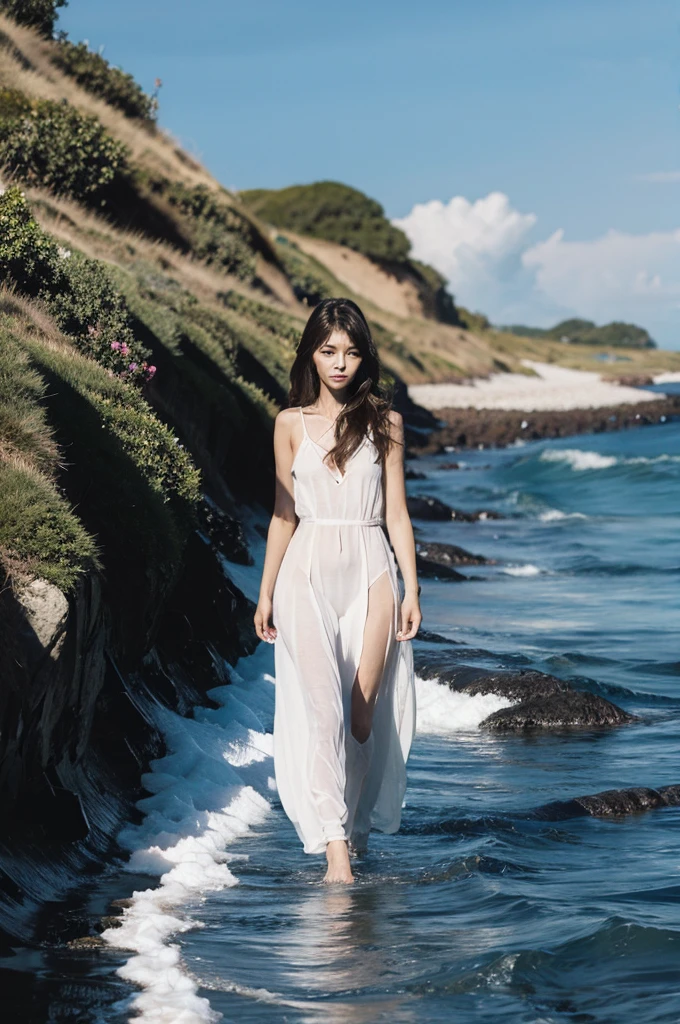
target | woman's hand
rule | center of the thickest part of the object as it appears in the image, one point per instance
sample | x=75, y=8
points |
x=410, y=617
x=262, y=619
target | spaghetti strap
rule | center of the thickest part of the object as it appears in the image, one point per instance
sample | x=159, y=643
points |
x=304, y=425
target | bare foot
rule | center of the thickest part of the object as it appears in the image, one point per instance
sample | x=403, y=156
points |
x=338, y=862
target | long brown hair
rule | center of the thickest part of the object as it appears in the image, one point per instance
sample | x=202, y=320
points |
x=369, y=399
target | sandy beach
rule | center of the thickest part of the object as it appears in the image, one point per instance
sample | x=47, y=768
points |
x=554, y=388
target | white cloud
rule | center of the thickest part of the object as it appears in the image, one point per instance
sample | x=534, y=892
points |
x=483, y=248
x=477, y=246
x=611, y=274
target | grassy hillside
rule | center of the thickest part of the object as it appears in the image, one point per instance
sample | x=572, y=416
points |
x=336, y=213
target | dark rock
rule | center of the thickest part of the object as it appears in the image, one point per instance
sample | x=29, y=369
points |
x=422, y=506
x=470, y=428
x=206, y=619
x=225, y=532
x=109, y=921
x=86, y=942
x=542, y=701
x=518, y=686
x=610, y=802
x=427, y=636
x=633, y=380
x=436, y=571
x=414, y=474
x=566, y=709
x=671, y=795
x=448, y=554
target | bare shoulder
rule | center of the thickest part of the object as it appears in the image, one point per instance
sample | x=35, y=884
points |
x=396, y=421
x=286, y=418
x=285, y=426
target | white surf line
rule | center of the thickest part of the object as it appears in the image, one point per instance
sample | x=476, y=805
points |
x=207, y=792
x=212, y=785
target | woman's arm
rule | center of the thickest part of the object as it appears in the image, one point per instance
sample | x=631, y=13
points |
x=400, y=530
x=282, y=526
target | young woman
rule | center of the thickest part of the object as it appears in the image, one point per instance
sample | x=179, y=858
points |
x=345, y=698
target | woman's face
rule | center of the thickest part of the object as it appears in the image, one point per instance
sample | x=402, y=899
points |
x=337, y=361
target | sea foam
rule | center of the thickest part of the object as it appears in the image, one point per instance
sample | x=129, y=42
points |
x=521, y=570
x=208, y=791
x=583, y=460
x=579, y=460
x=443, y=712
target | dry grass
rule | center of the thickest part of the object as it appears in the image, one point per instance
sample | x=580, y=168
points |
x=153, y=149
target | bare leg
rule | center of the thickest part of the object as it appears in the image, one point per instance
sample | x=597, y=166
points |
x=338, y=862
x=377, y=631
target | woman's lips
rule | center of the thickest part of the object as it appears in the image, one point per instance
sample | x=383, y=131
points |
x=338, y=376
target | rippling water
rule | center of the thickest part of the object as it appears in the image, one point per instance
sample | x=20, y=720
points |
x=474, y=911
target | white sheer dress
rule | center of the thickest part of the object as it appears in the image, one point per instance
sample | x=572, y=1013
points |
x=330, y=785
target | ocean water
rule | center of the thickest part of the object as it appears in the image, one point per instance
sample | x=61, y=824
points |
x=474, y=911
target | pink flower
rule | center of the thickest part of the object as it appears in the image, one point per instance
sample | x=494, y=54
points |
x=150, y=371
x=124, y=348
x=132, y=366
x=115, y=344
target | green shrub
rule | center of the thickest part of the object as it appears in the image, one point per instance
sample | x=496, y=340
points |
x=473, y=321
x=336, y=212
x=39, y=534
x=151, y=445
x=226, y=249
x=78, y=291
x=264, y=316
x=54, y=146
x=95, y=74
x=218, y=233
x=24, y=431
x=309, y=285
x=38, y=14
x=28, y=256
x=91, y=311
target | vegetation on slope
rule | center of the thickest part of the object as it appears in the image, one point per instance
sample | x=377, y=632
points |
x=114, y=85
x=585, y=332
x=38, y=14
x=336, y=212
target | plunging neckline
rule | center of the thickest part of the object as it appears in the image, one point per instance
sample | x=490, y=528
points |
x=308, y=437
x=343, y=476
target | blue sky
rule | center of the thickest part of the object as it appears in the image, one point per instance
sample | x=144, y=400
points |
x=566, y=108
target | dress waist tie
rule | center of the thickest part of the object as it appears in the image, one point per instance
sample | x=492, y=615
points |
x=344, y=522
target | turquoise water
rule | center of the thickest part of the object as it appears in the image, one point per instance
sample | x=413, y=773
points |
x=474, y=912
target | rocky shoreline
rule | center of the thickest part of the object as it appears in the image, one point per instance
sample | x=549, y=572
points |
x=475, y=428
